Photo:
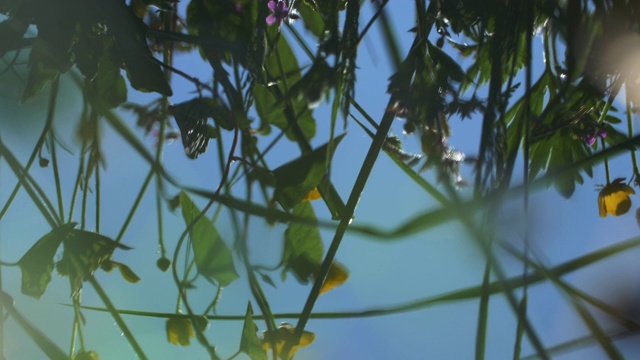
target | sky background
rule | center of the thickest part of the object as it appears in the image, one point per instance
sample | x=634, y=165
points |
x=382, y=273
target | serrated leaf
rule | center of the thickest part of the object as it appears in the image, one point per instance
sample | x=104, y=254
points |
x=294, y=180
x=303, y=249
x=84, y=252
x=250, y=343
x=212, y=256
x=36, y=264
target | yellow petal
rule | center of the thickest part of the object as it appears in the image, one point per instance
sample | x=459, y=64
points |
x=614, y=199
x=618, y=203
x=337, y=275
x=312, y=195
x=179, y=331
x=283, y=334
x=601, y=205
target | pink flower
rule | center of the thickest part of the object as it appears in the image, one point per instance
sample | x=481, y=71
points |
x=279, y=12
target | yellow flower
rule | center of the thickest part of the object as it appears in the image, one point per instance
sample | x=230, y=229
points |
x=337, y=275
x=86, y=355
x=614, y=198
x=285, y=334
x=179, y=330
x=313, y=195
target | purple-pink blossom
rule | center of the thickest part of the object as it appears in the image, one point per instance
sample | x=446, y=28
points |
x=279, y=12
x=591, y=138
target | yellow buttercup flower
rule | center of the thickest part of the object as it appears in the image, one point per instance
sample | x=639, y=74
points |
x=614, y=198
x=285, y=334
x=179, y=330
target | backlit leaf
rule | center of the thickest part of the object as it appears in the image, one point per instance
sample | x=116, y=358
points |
x=37, y=263
x=213, y=258
x=126, y=272
x=250, y=343
x=303, y=249
x=294, y=180
x=129, y=33
x=294, y=110
x=84, y=251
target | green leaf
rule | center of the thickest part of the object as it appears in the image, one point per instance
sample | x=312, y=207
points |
x=37, y=263
x=233, y=27
x=40, y=72
x=126, y=272
x=129, y=33
x=213, y=258
x=205, y=108
x=88, y=50
x=51, y=52
x=303, y=249
x=108, y=84
x=294, y=111
x=294, y=180
x=450, y=66
x=311, y=19
x=12, y=31
x=250, y=343
x=84, y=252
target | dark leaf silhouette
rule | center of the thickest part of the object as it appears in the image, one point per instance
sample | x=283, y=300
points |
x=37, y=263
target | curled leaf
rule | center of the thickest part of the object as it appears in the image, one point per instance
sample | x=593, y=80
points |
x=126, y=272
x=84, y=252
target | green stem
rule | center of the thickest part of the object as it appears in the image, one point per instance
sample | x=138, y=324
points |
x=56, y=174
x=118, y=319
x=634, y=160
x=135, y=205
x=41, y=140
x=606, y=162
x=76, y=187
x=483, y=312
x=31, y=187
